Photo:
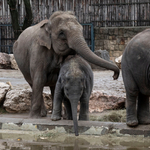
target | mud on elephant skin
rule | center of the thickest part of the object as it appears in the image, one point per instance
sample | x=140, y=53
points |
x=136, y=76
x=41, y=48
x=74, y=84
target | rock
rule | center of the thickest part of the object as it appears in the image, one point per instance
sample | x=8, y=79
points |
x=5, y=61
x=13, y=62
x=19, y=101
x=100, y=102
x=103, y=54
x=118, y=61
x=48, y=101
x=4, y=88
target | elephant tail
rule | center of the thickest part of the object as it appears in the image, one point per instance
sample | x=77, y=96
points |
x=148, y=75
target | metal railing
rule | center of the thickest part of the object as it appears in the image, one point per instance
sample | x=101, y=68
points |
x=7, y=37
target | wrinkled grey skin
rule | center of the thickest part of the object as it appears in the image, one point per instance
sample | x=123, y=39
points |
x=136, y=76
x=41, y=48
x=74, y=84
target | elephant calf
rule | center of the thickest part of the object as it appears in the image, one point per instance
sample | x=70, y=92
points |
x=74, y=84
x=136, y=76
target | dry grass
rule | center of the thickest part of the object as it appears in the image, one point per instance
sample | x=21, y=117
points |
x=2, y=110
x=109, y=116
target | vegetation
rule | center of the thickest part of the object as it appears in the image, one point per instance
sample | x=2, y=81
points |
x=2, y=110
x=48, y=134
x=110, y=116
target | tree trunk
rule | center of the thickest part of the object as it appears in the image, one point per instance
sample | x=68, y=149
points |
x=14, y=17
x=29, y=17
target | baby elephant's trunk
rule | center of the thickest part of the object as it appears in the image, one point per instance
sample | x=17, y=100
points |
x=74, y=115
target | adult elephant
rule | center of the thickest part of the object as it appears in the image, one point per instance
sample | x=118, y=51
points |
x=135, y=66
x=41, y=48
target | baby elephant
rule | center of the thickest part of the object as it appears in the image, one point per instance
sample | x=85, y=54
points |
x=74, y=84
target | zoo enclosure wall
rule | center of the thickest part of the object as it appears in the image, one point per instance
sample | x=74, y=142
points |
x=103, y=14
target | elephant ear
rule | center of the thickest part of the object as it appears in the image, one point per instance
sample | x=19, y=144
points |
x=44, y=37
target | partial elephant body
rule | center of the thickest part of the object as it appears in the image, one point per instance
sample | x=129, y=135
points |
x=39, y=66
x=75, y=83
x=136, y=76
x=40, y=49
x=32, y=57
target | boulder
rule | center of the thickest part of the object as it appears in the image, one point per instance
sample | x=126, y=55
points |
x=5, y=61
x=4, y=88
x=13, y=62
x=104, y=55
x=101, y=101
x=19, y=101
x=118, y=61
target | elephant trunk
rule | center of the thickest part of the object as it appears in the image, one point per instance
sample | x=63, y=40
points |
x=79, y=44
x=74, y=115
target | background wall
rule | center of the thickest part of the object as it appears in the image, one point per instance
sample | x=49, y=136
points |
x=115, y=39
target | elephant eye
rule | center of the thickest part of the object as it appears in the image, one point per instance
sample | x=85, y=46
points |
x=62, y=35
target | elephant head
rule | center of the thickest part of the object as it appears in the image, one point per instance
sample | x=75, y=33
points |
x=64, y=34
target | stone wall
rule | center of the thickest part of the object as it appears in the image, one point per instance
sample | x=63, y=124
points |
x=114, y=39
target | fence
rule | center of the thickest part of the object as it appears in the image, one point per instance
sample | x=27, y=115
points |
x=122, y=13
x=100, y=12
x=7, y=37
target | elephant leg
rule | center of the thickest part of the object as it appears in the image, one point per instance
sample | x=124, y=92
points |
x=52, y=88
x=84, y=109
x=37, y=104
x=57, y=103
x=131, y=96
x=143, y=109
x=67, y=105
x=131, y=110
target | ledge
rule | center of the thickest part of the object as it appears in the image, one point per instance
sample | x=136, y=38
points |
x=23, y=123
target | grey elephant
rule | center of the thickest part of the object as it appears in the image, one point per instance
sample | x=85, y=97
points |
x=136, y=76
x=41, y=48
x=74, y=84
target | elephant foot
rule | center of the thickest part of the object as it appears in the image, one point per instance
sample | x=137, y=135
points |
x=83, y=117
x=132, y=120
x=55, y=117
x=144, y=120
x=132, y=123
x=43, y=113
x=34, y=115
x=69, y=118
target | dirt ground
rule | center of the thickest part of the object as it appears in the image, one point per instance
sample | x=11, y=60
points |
x=103, y=81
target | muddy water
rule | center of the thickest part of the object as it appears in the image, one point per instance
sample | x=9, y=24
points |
x=29, y=140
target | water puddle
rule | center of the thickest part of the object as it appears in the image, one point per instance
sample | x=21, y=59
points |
x=48, y=140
